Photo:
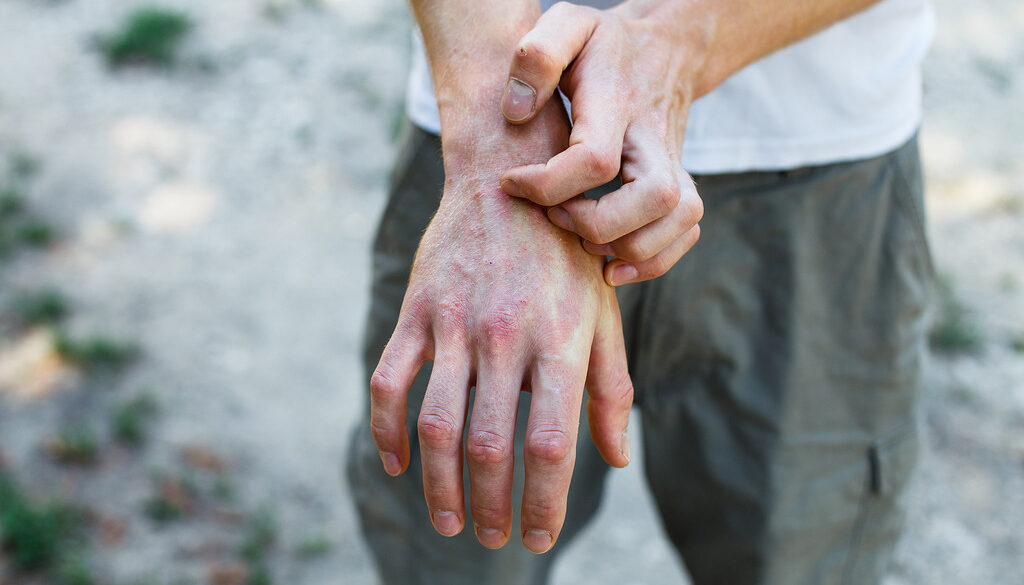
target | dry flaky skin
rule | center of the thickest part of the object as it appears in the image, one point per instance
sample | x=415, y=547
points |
x=500, y=298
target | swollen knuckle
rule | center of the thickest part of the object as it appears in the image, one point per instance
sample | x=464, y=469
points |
x=452, y=315
x=487, y=447
x=549, y=446
x=501, y=327
x=437, y=427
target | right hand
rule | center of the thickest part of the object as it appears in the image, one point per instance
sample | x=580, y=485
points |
x=501, y=299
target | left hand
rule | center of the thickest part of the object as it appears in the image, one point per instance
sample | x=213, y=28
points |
x=629, y=76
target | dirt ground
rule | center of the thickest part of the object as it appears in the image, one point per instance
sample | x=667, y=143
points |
x=218, y=216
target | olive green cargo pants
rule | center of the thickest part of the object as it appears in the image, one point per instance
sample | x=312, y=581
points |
x=777, y=369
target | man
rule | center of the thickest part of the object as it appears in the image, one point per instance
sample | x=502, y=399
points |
x=776, y=366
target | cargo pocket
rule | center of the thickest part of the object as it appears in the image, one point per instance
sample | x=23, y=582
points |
x=890, y=462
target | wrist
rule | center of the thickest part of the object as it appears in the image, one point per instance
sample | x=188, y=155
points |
x=687, y=30
x=478, y=144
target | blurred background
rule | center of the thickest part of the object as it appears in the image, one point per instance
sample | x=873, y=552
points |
x=187, y=195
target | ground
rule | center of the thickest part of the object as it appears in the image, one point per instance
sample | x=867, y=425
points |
x=216, y=214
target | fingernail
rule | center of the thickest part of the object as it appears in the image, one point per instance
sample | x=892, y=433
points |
x=490, y=537
x=560, y=217
x=624, y=445
x=623, y=273
x=598, y=249
x=447, y=523
x=538, y=541
x=519, y=100
x=511, y=187
x=391, y=464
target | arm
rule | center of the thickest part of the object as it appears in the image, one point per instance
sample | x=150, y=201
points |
x=501, y=299
x=631, y=73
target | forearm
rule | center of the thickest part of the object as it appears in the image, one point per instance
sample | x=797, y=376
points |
x=720, y=37
x=469, y=43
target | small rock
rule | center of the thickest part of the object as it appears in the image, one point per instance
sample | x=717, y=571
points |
x=228, y=574
x=203, y=458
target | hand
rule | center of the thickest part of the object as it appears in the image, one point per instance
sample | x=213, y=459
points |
x=500, y=298
x=629, y=83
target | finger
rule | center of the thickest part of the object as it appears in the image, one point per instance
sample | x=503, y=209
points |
x=652, y=185
x=389, y=387
x=440, y=425
x=623, y=211
x=648, y=241
x=550, y=450
x=618, y=272
x=541, y=56
x=595, y=145
x=610, y=389
x=489, y=448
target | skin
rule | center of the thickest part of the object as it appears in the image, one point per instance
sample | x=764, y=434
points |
x=499, y=296
x=502, y=299
x=629, y=114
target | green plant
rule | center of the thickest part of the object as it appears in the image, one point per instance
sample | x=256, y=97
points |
x=223, y=490
x=75, y=569
x=34, y=536
x=77, y=446
x=45, y=306
x=954, y=331
x=33, y=232
x=149, y=34
x=173, y=499
x=259, y=575
x=313, y=547
x=1017, y=342
x=96, y=351
x=129, y=419
x=24, y=166
x=259, y=537
x=12, y=202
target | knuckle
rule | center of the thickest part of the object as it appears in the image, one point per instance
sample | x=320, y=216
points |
x=452, y=315
x=437, y=427
x=543, y=512
x=541, y=195
x=655, y=268
x=636, y=250
x=382, y=435
x=666, y=197
x=487, y=514
x=501, y=327
x=548, y=446
x=384, y=384
x=595, y=229
x=535, y=57
x=563, y=8
x=603, y=163
x=696, y=207
x=488, y=448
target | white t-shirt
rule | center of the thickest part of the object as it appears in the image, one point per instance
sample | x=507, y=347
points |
x=852, y=91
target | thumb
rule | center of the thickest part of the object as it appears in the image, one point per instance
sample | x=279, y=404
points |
x=541, y=57
x=610, y=389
